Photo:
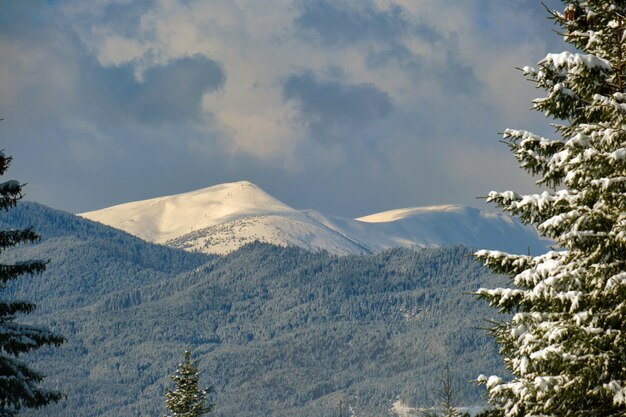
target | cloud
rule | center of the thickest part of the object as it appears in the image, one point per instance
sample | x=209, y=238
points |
x=342, y=98
x=339, y=22
x=52, y=70
x=174, y=91
x=69, y=118
x=169, y=93
x=389, y=35
x=327, y=106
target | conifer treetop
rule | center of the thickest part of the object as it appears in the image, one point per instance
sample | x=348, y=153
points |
x=187, y=399
x=18, y=383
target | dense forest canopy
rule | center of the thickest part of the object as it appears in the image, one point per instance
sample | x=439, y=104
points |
x=276, y=330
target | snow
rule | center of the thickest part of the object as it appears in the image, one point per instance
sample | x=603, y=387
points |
x=165, y=218
x=11, y=186
x=31, y=262
x=566, y=303
x=283, y=229
x=399, y=214
x=574, y=61
x=222, y=218
x=400, y=409
x=619, y=154
x=436, y=226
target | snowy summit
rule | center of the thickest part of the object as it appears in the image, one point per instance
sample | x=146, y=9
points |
x=222, y=218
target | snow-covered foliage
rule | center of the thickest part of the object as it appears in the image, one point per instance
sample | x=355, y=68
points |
x=18, y=383
x=187, y=399
x=565, y=343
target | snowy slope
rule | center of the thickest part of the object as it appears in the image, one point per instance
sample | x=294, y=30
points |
x=222, y=218
x=437, y=226
x=454, y=224
x=164, y=218
x=283, y=229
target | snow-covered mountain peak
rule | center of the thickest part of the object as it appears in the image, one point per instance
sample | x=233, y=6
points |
x=163, y=218
x=403, y=213
x=222, y=218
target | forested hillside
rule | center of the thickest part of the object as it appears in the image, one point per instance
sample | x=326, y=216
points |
x=278, y=331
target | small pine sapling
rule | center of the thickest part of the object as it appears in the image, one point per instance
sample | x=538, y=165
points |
x=187, y=399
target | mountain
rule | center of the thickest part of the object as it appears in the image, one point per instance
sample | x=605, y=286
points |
x=222, y=218
x=277, y=331
x=437, y=226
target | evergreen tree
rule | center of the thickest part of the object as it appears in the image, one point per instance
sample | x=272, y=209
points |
x=565, y=343
x=187, y=399
x=18, y=383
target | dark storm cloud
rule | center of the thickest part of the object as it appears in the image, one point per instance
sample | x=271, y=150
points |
x=346, y=23
x=453, y=76
x=457, y=77
x=338, y=22
x=59, y=76
x=120, y=16
x=335, y=22
x=333, y=109
x=168, y=93
x=125, y=17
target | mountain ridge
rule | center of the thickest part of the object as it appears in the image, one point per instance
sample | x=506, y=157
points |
x=277, y=331
x=224, y=217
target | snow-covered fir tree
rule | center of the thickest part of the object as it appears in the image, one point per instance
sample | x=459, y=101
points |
x=565, y=344
x=18, y=383
x=187, y=399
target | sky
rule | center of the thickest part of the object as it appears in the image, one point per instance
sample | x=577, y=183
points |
x=346, y=107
